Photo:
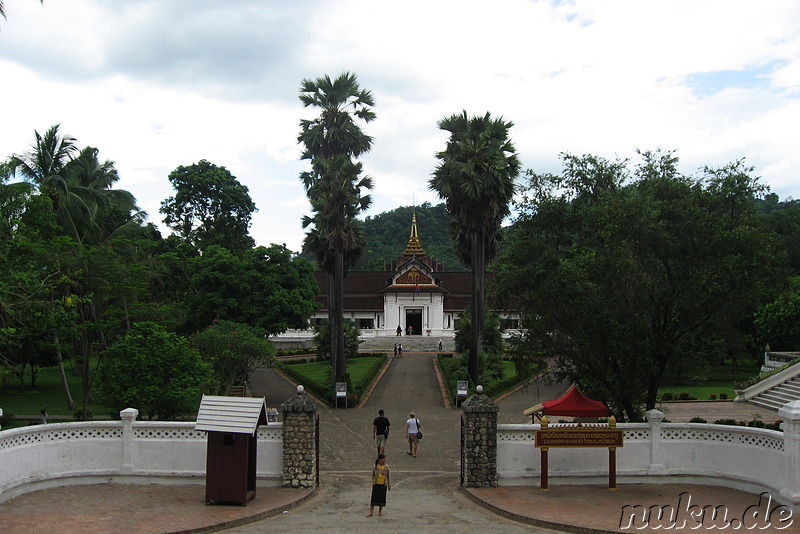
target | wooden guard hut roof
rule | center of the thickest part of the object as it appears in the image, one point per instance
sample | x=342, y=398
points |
x=237, y=415
x=573, y=403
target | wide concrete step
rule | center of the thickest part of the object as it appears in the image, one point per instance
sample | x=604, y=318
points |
x=776, y=396
x=765, y=403
x=410, y=343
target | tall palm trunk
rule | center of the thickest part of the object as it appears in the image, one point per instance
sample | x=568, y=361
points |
x=332, y=346
x=341, y=360
x=476, y=329
x=64, y=384
x=60, y=360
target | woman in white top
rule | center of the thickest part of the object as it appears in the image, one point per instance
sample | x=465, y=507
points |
x=412, y=433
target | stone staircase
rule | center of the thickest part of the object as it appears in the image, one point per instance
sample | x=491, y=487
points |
x=410, y=344
x=775, y=397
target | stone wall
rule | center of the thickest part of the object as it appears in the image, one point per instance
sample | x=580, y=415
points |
x=299, y=442
x=480, y=441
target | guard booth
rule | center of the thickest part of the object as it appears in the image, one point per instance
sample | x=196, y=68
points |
x=232, y=424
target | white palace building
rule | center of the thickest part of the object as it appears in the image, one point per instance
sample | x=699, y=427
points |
x=414, y=293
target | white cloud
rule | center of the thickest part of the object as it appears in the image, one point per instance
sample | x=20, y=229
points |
x=155, y=84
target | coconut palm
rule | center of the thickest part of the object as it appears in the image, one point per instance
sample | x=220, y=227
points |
x=334, y=184
x=475, y=178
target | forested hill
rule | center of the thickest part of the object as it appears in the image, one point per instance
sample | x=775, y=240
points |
x=387, y=235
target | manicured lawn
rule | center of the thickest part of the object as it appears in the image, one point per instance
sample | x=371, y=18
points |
x=316, y=375
x=715, y=380
x=48, y=394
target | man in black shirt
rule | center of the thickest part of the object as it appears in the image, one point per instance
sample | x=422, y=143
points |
x=380, y=431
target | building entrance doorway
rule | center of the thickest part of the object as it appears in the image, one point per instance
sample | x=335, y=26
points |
x=414, y=322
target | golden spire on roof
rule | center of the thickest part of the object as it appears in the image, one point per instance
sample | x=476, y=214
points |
x=414, y=247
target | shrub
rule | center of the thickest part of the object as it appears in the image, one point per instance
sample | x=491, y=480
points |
x=667, y=396
x=684, y=396
x=723, y=396
x=713, y=396
x=697, y=420
x=774, y=426
x=731, y=422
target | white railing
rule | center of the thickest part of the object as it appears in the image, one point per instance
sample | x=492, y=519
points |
x=750, y=459
x=127, y=451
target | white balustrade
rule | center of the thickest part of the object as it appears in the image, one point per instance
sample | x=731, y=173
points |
x=126, y=451
x=745, y=458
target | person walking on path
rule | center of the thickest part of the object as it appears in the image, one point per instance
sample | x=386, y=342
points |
x=381, y=483
x=395, y=350
x=412, y=433
x=400, y=350
x=380, y=431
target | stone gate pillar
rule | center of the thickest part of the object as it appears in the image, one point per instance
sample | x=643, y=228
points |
x=480, y=441
x=299, y=441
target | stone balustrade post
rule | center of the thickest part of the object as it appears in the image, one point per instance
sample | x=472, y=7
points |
x=655, y=418
x=128, y=417
x=299, y=441
x=790, y=413
x=480, y=441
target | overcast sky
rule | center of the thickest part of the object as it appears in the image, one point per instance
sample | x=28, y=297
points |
x=155, y=84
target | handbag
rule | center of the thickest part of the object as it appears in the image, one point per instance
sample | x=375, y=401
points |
x=419, y=430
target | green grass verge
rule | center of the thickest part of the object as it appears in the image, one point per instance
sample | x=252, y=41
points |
x=316, y=376
x=716, y=380
x=448, y=365
x=48, y=394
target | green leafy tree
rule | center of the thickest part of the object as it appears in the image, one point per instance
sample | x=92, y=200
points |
x=475, y=177
x=234, y=351
x=334, y=186
x=210, y=207
x=778, y=322
x=624, y=277
x=154, y=371
x=88, y=279
x=266, y=287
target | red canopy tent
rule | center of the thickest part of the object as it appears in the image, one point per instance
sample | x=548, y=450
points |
x=573, y=403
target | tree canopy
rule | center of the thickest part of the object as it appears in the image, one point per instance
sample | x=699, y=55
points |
x=623, y=276
x=210, y=207
x=475, y=177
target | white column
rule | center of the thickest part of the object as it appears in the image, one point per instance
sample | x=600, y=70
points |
x=655, y=418
x=128, y=416
x=790, y=413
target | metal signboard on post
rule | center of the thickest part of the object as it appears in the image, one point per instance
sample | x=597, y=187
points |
x=461, y=390
x=341, y=393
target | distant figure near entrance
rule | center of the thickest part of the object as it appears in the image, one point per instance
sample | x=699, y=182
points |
x=399, y=331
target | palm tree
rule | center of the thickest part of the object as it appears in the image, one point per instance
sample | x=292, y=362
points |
x=333, y=185
x=87, y=208
x=475, y=178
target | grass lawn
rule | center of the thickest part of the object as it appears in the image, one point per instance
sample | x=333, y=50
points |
x=449, y=365
x=362, y=370
x=714, y=380
x=48, y=394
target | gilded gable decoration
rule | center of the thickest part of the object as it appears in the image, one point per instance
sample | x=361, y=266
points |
x=413, y=276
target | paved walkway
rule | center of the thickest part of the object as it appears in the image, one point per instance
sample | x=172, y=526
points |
x=425, y=497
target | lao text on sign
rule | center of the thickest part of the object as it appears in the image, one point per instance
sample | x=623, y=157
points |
x=579, y=437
